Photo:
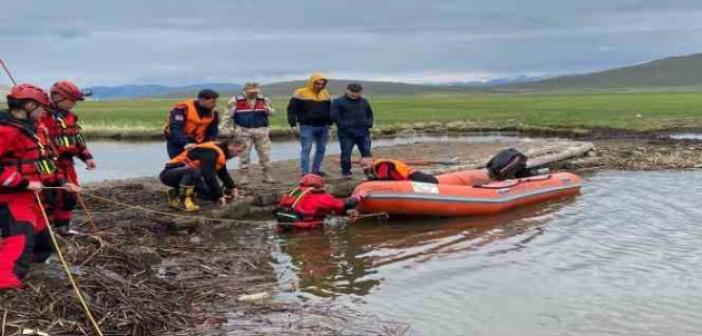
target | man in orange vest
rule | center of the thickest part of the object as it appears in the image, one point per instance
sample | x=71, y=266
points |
x=192, y=121
x=506, y=164
x=196, y=169
x=393, y=170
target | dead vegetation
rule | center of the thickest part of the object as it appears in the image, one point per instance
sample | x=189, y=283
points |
x=148, y=273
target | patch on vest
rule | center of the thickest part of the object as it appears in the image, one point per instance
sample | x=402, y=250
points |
x=179, y=117
x=426, y=188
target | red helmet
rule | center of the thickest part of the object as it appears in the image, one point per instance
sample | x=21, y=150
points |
x=67, y=90
x=29, y=91
x=312, y=180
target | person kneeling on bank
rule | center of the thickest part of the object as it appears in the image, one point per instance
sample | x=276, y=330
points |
x=307, y=205
x=195, y=172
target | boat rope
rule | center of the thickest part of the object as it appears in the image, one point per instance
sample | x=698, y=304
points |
x=170, y=214
x=79, y=294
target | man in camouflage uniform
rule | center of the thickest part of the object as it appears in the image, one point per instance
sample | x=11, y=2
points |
x=250, y=113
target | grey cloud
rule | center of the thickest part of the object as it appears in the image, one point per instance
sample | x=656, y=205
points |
x=176, y=42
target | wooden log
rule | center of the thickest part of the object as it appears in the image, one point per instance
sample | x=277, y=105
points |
x=537, y=157
x=569, y=153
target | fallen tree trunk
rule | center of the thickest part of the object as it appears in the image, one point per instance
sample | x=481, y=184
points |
x=537, y=158
x=572, y=152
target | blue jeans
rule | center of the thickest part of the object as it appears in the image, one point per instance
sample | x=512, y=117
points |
x=309, y=134
x=346, y=142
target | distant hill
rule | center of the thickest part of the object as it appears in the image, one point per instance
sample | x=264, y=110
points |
x=673, y=72
x=148, y=91
x=278, y=89
x=501, y=81
x=371, y=88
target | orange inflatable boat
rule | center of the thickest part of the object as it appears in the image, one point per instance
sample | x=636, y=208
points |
x=455, y=195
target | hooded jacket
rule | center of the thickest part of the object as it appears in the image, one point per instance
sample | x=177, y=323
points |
x=308, y=107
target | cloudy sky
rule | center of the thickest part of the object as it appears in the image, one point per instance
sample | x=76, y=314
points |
x=184, y=42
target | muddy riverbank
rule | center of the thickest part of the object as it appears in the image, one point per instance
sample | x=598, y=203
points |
x=149, y=270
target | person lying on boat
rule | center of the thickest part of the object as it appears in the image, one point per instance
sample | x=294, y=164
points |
x=197, y=169
x=307, y=205
x=393, y=170
x=506, y=164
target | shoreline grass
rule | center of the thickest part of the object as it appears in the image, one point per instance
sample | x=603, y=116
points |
x=628, y=111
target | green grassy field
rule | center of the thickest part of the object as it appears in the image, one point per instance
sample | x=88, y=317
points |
x=631, y=111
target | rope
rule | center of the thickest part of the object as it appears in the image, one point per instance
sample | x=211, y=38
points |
x=96, y=326
x=164, y=213
x=87, y=211
x=7, y=71
x=93, y=227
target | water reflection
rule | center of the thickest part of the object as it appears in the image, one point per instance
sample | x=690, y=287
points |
x=341, y=261
x=620, y=259
x=122, y=159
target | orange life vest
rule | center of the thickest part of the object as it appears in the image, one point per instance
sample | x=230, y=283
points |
x=195, y=126
x=183, y=158
x=399, y=167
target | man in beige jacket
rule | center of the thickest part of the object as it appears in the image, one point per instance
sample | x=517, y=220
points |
x=249, y=113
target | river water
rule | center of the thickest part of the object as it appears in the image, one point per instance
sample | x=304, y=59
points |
x=121, y=159
x=622, y=258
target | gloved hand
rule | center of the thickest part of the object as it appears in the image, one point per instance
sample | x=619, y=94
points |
x=90, y=164
x=71, y=187
x=34, y=186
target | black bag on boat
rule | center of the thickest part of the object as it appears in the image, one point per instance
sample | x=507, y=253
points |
x=507, y=164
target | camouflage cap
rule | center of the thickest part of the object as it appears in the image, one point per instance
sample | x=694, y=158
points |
x=251, y=87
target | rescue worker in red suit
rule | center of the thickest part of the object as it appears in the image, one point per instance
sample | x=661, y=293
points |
x=26, y=165
x=192, y=121
x=64, y=134
x=306, y=206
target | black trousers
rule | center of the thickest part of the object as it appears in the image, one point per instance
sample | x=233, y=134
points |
x=186, y=177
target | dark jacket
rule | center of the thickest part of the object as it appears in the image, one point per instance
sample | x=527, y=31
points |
x=208, y=159
x=308, y=107
x=352, y=116
x=177, y=122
